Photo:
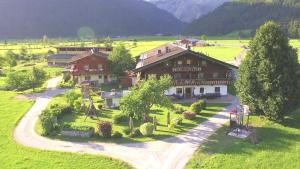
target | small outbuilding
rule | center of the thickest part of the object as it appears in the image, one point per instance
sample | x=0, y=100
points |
x=112, y=99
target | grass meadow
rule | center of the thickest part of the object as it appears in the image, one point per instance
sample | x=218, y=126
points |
x=278, y=147
x=16, y=156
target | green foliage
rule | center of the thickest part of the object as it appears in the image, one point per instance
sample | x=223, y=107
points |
x=294, y=29
x=178, y=109
x=105, y=129
x=119, y=118
x=267, y=79
x=147, y=129
x=72, y=96
x=60, y=110
x=120, y=60
x=18, y=80
x=177, y=121
x=71, y=127
x=117, y=135
x=151, y=92
x=135, y=133
x=196, y=107
x=11, y=58
x=48, y=122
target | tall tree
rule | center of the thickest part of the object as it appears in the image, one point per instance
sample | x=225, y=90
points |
x=143, y=96
x=120, y=60
x=11, y=58
x=267, y=80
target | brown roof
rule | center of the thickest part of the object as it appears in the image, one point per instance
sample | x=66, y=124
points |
x=89, y=53
x=178, y=51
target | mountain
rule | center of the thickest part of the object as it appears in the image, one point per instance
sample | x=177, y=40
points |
x=246, y=15
x=188, y=10
x=63, y=18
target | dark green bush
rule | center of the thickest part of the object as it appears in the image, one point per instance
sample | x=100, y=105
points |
x=119, y=118
x=100, y=106
x=48, y=121
x=117, y=135
x=178, y=109
x=60, y=110
x=126, y=130
x=105, y=129
x=147, y=129
x=70, y=127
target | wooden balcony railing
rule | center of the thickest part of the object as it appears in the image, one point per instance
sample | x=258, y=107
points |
x=196, y=82
x=187, y=69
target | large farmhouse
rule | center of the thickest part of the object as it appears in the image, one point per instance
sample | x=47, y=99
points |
x=91, y=66
x=194, y=74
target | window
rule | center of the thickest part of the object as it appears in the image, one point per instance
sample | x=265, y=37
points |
x=204, y=63
x=100, y=66
x=200, y=75
x=179, y=62
x=189, y=62
x=87, y=78
x=86, y=67
x=202, y=90
x=105, y=77
x=100, y=76
x=178, y=90
x=215, y=75
x=159, y=52
x=217, y=90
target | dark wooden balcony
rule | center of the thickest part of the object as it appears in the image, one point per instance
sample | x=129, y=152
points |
x=187, y=69
x=77, y=72
x=197, y=82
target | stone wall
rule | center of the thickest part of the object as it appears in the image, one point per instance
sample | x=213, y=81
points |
x=74, y=133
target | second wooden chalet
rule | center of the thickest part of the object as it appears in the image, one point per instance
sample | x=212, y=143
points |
x=194, y=74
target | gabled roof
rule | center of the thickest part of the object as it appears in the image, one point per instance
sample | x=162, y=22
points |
x=89, y=53
x=60, y=56
x=149, y=62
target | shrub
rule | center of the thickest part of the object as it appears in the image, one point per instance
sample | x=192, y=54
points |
x=70, y=127
x=100, y=106
x=105, y=129
x=126, y=130
x=172, y=126
x=60, y=110
x=178, y=109
x=147, y=129
x=48, y=122
x=119, y=118
x=189, y=115
x=177, y=121
x=203, y=104
x=135, y=132
x=196, y=107
x=117, y=135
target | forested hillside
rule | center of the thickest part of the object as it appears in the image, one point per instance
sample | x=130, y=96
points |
x=248, y=15
x=64, y=18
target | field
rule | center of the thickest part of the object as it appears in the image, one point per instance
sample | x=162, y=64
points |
x=16, y=156
x=278, y=147
x=78, y=119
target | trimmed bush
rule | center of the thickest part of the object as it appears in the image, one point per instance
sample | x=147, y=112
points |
x=70, y=127
x=100, y=106
x=177, y=121
x=105, y=129
x=47, y=122
x=117, y=135
x=196, y=107
x=60, y=110
x=119, y=118
x=178, y=109
x=147, y=129
x=189, y=115
x=203, y=104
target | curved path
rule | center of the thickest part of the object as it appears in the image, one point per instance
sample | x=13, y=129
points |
x=171, y=153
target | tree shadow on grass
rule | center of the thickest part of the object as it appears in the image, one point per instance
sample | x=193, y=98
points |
x=292, y=120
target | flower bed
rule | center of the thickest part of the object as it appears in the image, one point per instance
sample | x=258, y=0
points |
x=77, y=131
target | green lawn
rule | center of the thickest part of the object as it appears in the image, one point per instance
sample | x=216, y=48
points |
x=278, y=147
x=162, y=132
x=220, y=52
x=16, y=156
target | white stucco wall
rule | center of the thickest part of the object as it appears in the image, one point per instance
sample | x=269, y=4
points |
x=96, y=78
x=196, y=89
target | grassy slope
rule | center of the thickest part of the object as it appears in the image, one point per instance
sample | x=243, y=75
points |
x=16, y=156
x=163, y=131
x=279, y=147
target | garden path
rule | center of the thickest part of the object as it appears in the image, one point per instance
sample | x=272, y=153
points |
x=171, y=153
